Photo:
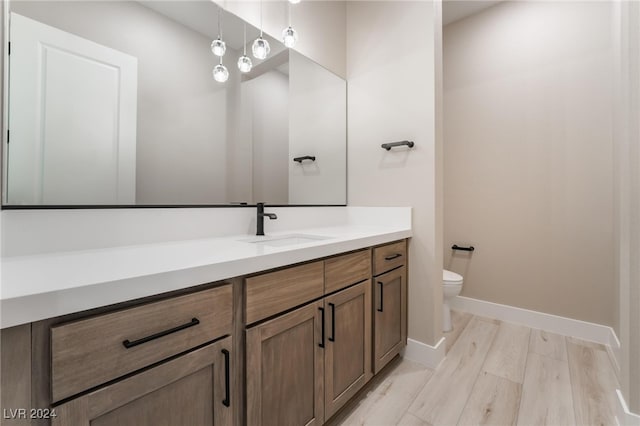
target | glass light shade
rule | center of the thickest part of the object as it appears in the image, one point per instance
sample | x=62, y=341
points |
x=244, y=64
x=294, y=1
x=289, y=37
x=218, y=47
x=220, y=73
x=260, y=48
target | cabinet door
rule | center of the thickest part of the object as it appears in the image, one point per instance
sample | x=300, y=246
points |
x=348, y=346
x=285, y=369
x=389, y=316
x=193, y=389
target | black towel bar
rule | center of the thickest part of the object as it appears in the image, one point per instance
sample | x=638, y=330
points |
x=456, y=247
x=388, y=146
x=306, y=157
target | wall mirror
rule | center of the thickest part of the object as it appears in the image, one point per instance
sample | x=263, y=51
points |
x=114, y=103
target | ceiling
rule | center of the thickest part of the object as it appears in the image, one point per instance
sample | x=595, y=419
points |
x=454, y=10
x=202, y=17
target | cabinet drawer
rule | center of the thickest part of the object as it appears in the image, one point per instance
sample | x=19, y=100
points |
x=89, y=352
x=388, y=257
x=342, y=271
x=275, y=292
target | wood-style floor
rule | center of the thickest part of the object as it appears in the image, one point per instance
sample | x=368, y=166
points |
x=495, y=373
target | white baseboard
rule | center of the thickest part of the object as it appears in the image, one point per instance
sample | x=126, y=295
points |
x=427, y=355
x=614, y=351
x=555, y=324
x=623, y=415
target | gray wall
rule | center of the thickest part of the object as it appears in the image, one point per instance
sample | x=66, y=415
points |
x=627, y=192
x=392, y=73
x=528, y=156
x=181, y=111
x=267, y=111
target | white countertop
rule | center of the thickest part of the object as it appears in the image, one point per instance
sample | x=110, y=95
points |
x=36, y=287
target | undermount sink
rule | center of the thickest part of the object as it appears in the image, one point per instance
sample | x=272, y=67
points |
x=286, y=240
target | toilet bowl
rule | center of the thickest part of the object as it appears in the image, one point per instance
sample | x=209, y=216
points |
x=451, y=287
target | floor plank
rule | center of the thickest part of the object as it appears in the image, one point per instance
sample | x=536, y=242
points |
x=459, y=321
x=548, y=344
x=388, y=402
x=443, y=398
x=592, y=345
x=592, y=378
x=410, y=420
x=565, y=381
x=493, y=401
x=546, y=393
x=508, y=354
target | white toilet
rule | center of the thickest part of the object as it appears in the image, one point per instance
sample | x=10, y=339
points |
x=451, y=287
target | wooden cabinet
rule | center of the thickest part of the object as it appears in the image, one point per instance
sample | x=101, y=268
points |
x=303, y=366
x=287, y=347
x=285, y=369
x=390, y=309
x=274, y=292
x=193, y=389
x=347, y=346
x=95, y=350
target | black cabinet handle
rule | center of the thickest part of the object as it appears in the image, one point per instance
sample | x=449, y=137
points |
x=321, y=344
x=227, y=380
x=393, y=256
x=128, y=344
x=381, y=284
x=333, y=322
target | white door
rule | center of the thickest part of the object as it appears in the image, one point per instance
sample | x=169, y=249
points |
x=72, y=119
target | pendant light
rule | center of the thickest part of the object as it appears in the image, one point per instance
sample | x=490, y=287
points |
x=219, y=47
x=244, y=62
x=260, y=47
x=289, y=35
x=220, y=72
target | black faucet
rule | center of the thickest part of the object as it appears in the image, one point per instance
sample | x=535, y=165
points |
x=260, y=218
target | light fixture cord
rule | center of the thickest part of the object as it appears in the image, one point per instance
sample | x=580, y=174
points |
x=245, y=39
x=260, y=18
x=219, y=23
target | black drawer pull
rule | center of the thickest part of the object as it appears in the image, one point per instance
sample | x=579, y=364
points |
x=457, y=247
x=227, y=380
x=381, y=284
x=393, y=256
x=128, y=344
x=333, y=322
x=321, y=344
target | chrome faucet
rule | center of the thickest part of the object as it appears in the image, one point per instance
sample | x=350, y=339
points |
x=260, y=218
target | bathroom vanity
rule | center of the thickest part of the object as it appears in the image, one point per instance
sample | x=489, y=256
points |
x=286, y=345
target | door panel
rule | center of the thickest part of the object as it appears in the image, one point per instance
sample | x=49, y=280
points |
x=72, y=120
x=389, y=291
x=285, y=370
x=348, y=350
x=187, y=401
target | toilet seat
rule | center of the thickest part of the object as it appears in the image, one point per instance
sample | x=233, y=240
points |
x=451, y=278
